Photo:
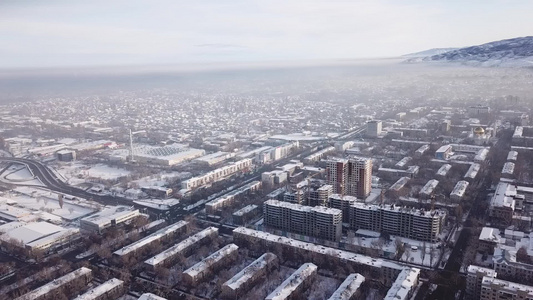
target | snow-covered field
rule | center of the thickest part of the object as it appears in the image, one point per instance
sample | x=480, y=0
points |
x=75, y=173
x=19, y=174
x=41, y=200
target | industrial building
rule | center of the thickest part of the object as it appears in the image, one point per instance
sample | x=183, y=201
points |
x=108, y=217
x=298, y=281
x=168, y=155
x=417, y=224
x=34, y=236
x=320, y=222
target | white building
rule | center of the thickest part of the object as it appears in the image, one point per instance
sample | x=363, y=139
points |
x=512, y=156
x=404, y=286
x=216, y=205
x=428, y=189
x=459, y=190
x=443, y=170
x=374, y=128
x=38, y=235
x=108, y=217
x=349, y=288
x=317, y=156
x=167, y=155
x=214, y=158
x=472, y=172
x=217, y=174
x=111, y=289
x=82, y=275
x=508, y=169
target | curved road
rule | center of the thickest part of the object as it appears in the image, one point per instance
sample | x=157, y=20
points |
x=52, y=182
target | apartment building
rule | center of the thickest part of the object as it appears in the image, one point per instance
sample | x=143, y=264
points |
x=320, y=222
x=474, y=279
x=319, y=196
x=343, y=203
x=417, y=224
x=350, y=176
x=497, y=289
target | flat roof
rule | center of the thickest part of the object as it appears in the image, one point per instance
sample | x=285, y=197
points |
x=107, y=214
x=151, y=238
x=293, y=282
x=305, y=208
x=101, y=290
x=56, y=283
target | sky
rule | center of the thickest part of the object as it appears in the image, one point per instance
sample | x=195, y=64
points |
x=50, y=34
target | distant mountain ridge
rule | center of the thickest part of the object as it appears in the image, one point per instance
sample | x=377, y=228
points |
x=430, y=52
x=516, y=52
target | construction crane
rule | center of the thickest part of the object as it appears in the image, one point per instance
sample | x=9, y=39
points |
x=131, y=141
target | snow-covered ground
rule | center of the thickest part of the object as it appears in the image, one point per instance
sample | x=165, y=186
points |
x=41, y=200
x=162, y=179
x=161, y=204
x=19, y=174
x=76, y=173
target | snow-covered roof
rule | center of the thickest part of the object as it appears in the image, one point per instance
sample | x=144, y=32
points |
x=247, y=273
x=56, y=283
x=348, y=287
x=513, y=155
x=481, y=155
x=348, y=256
x=473, y=269
x=108, y=214
x=429, y=187
x=33, y=234
x=508, y=168
x=473, y=171
x=526, y=291
x=181, y=246
x=460, y=188
x=490, y=234
x=303, y=208
x=150, y=296
x=101, y=290
x=161, y=233
x=403, y=285
x=245, y=210
x=400, y=183
x=211, y=260
x=444, y=148
x=293, y=282
x=503, y=196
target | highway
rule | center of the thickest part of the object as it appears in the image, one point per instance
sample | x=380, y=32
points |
x=52, y=182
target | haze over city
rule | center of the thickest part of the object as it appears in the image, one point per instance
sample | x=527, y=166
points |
x=266, y=150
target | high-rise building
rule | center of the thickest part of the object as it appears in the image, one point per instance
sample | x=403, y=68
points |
x=321, y=222
x=350, y=176
x=412, y=223
x=373, y=128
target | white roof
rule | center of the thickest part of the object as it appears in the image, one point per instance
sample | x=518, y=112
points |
x=460, y=188
x=348, y=287
x=472, y=171
x=161, y=233
x=526, y=290
x=244, y=210
x=503, y=196
x=443, y=148
x=513, y=155
x=291, y=284
x=508, y=168
x=179, y=247
x=247, y=273
x=473, y=269
x=404, y=284
x=490, y=234
x=400, y=183
x=304, y=208
x=150, y=296
x=106, y=215
x=35, y=233
x=212, y=259
x=56, y=283
x=101, y=290
x=429, y=187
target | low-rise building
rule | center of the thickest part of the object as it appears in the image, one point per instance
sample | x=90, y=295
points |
x=298, y=281
x=428, y=188
x=245, y=214
x=404, y=286
x=497, y=289
x=217, y=174
x=245, y=279
x=68, y=285
x=204, y=268
x=111, y=289
x=108, y=217
x=459, y=190
x=349, y=288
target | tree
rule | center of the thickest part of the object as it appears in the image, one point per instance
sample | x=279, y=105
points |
x=400, y=247
x=522, y=256
x=423, y=252
x=407, y=252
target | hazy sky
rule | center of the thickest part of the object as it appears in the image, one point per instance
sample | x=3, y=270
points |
x=48, y=33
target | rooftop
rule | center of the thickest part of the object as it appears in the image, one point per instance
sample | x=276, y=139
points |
x=291, y=284
x=101, y=290
x=348, y=287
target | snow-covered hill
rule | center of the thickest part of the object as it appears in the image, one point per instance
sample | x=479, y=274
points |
x=517, y=52
x=430, y=52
